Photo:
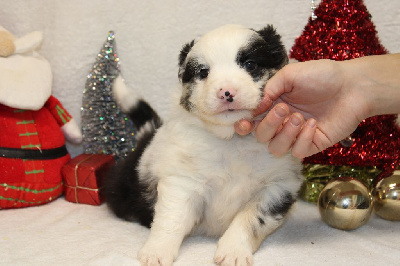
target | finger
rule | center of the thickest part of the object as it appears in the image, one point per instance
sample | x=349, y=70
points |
x=272, y=122
x=283, y=124
x=243, y=127
x=264, y=105
x=283, y=141
x=280, y=83
x=304, y=145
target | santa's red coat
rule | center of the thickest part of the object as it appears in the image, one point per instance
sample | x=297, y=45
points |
x=27, y=182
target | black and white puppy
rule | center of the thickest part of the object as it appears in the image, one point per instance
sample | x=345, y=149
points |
x=193, y=174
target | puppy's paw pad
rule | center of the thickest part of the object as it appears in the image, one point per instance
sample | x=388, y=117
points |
x=233, y=257
x=153, y=258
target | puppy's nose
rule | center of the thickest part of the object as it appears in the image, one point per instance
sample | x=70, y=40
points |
x=226, y=94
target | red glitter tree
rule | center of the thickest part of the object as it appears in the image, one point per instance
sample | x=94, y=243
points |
x=343, y=30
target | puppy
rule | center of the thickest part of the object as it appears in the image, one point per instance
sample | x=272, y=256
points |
x=193, y=174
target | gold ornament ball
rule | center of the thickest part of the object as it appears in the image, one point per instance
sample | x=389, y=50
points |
x=386, y=195
x=345, y=204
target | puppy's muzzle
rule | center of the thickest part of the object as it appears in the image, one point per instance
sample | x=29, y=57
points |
x=226, y=94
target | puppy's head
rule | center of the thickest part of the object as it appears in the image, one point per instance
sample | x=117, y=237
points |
x=223, y=74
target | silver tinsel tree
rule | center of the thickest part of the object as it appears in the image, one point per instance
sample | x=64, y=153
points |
x=106, y=129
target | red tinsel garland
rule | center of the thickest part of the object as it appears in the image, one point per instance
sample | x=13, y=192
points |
x=343, y=30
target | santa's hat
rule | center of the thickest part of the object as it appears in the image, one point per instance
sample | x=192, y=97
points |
x=26, y=82
x=9, y=44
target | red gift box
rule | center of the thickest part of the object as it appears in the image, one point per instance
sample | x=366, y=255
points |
x=83, y=176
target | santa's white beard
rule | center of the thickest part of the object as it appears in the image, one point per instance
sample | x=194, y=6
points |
x=25, y=81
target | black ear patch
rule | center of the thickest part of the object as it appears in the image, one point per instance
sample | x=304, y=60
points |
x=263, y=54
x=277, y=55
x=184, y=52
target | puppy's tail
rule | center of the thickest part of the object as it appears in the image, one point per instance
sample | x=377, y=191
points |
x=139, y=111
x=126, y=194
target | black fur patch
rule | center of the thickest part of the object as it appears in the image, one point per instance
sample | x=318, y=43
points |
x=185, y=99
x=278, y=56
x=192, y=69
x=191, y=72
x=125, y=195
x=184, y=52
x=282, y=205
x=266, y=53
x=143, y=113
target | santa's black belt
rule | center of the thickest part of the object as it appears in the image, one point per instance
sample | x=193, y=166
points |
x=36, y=154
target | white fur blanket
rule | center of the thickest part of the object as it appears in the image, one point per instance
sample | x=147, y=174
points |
x=64, y=233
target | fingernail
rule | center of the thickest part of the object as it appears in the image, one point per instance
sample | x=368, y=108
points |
x=295, y=120
x=311, y=122
x=242, y=126
x=280, y=111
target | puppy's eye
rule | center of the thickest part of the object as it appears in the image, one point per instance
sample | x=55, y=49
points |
x=250, y=65
x=203, y=73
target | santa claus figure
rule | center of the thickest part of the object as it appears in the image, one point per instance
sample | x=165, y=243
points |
x=33, y=124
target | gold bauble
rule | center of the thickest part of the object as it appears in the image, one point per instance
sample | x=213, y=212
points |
x=386, y=196
x=345, y=204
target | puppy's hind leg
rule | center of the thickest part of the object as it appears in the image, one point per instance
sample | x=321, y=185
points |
x=178, y=209
x=257, y=220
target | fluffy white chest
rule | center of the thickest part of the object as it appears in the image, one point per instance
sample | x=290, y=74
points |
x=223, y=174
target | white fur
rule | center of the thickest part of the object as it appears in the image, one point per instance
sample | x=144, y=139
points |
x=29, y=42
x=26, y=81
x=72, y=131
x=125, y=97
x=26, y=77
x=209, y=180
x=218, y=49
x=148, y=127
x=208, y=185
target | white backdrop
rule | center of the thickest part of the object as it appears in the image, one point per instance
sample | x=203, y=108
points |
x=149, y=35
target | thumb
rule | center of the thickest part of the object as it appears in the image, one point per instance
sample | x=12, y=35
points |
x=281, y=82
x=272, y=90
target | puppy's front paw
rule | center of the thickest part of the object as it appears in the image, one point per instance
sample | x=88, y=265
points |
x=155, y=257
x=233, y=255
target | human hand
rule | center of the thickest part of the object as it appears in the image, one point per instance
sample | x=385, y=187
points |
x=313, y=108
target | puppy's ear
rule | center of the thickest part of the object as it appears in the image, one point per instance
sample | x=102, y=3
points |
x=275, y=46
x=184, y=52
